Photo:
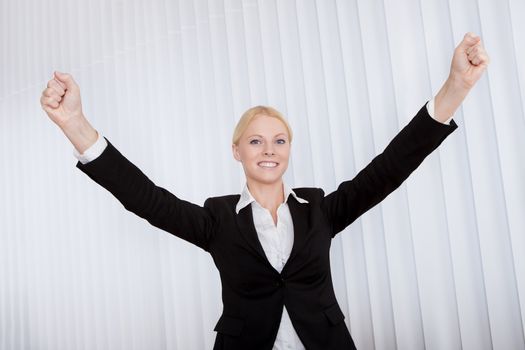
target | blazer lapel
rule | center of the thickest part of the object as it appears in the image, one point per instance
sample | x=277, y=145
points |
x=247, y=228
x=301, y=224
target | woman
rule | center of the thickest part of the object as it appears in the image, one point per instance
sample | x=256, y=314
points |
x=270, y=243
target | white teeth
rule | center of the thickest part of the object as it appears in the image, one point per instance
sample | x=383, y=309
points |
x=268, y=164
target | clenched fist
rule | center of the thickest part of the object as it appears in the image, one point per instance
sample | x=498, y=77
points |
x=61, y=99
x=469, y=61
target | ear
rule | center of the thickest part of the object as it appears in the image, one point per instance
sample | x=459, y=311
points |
x=235, y=151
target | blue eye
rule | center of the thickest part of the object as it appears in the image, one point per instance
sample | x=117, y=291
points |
x=253, y=142
x=282, y=143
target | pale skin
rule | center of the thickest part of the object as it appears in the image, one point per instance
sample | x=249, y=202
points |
x=264, y=150
x=266, y=138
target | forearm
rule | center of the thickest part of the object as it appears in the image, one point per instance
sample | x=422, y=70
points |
x=80, y=132
x=448, y=99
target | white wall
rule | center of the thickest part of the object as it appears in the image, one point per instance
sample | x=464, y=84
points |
x=439, y=264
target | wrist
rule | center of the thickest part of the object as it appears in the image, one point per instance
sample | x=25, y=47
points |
x=80, y=132
x=457, y=83
x=449, y=98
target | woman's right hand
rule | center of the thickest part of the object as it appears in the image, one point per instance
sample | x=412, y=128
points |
x=61, y=99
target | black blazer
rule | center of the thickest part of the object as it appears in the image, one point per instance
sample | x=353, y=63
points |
x=253, y=292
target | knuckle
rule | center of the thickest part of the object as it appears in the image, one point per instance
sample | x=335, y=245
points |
x=56, y=92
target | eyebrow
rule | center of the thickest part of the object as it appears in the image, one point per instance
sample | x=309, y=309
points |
x=282, y=133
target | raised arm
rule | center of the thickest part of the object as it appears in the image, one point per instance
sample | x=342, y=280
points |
x=111, y=170
x=411, y=145
x=141, y=196
x=387, y=171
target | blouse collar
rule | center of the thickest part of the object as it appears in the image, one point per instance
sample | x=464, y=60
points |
x=247, y=198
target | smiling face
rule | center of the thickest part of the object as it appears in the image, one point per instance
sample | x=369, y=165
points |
x=264, y=150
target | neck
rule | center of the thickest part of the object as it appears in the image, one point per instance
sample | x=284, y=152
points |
x=269, y=196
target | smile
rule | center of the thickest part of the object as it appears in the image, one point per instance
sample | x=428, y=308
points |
x=267, y=164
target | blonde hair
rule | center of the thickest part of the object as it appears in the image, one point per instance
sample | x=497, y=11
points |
x=251, y=113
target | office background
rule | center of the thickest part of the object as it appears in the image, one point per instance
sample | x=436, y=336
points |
x=439, y=264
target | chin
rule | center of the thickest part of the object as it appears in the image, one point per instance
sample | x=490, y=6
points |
x=267, y=180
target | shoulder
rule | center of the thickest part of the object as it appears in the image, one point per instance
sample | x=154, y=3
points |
x=226, y=202
x=311, y=194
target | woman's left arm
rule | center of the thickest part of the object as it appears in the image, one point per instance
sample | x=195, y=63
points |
x=420, y=137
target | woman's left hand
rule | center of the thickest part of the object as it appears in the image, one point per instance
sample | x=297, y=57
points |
x=468, y=64
x=469, y=61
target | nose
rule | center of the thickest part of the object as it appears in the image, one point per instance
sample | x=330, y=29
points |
x=268, y=151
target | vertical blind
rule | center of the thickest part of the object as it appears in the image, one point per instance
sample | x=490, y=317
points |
x=439, y=264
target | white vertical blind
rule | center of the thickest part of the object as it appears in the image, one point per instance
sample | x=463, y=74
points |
x=439, y=264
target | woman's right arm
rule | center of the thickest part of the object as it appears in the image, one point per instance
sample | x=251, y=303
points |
x=114, y=172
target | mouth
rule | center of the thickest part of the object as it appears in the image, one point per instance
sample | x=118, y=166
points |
x=268, y=165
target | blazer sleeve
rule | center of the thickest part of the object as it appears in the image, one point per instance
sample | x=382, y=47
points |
x=387, y=171
x=140, y=195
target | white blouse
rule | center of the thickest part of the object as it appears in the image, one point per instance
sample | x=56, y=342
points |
x=277, y=243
